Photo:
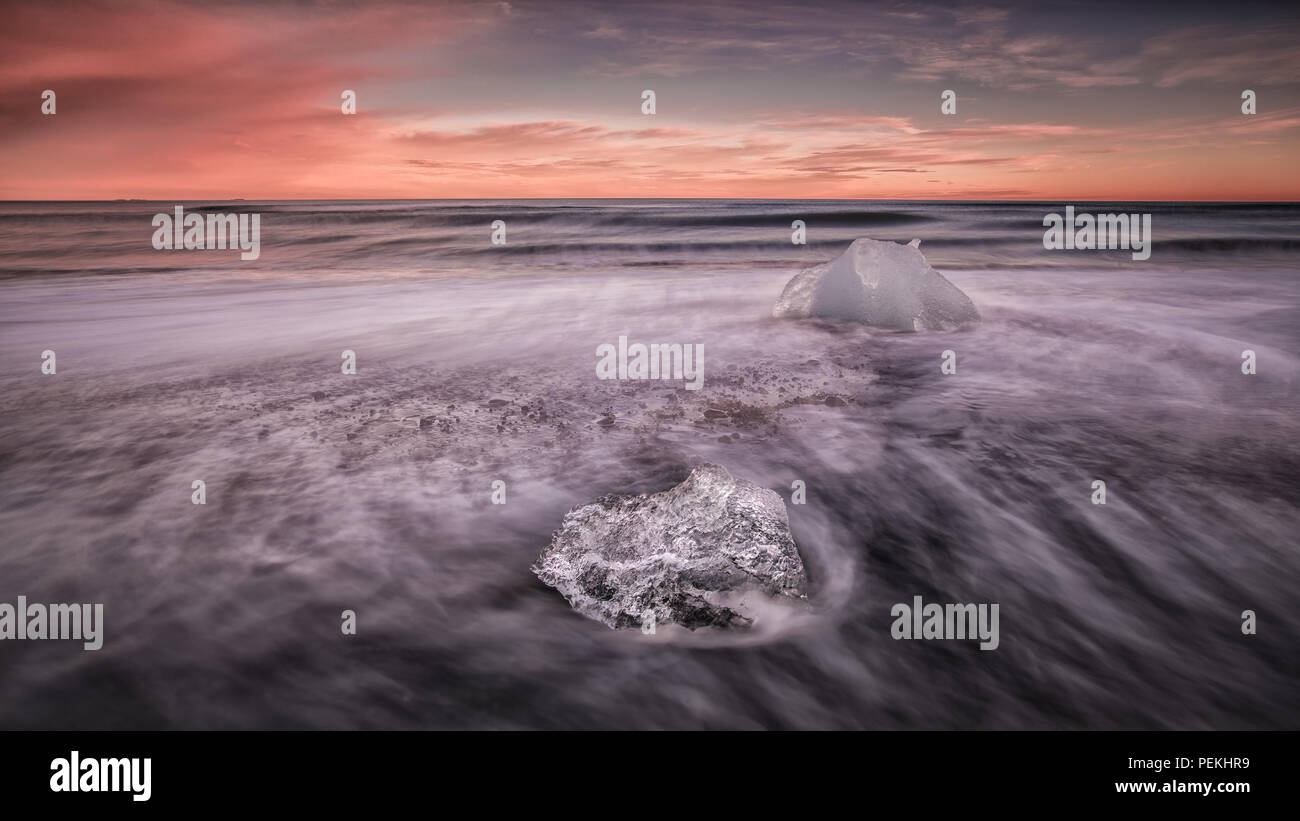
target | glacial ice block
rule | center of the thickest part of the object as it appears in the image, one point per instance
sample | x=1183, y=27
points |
x=883, y=284
x=698, y=554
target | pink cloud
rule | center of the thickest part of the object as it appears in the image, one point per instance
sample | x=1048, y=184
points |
x=179, y=101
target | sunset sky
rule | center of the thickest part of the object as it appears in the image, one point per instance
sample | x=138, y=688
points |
x=179, y=101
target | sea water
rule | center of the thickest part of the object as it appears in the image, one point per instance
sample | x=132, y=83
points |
x=476, y=364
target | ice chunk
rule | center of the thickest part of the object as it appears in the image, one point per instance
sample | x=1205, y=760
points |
x=883, y=284
x=690, y=555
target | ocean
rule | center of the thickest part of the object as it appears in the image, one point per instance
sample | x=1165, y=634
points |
x=476, y=363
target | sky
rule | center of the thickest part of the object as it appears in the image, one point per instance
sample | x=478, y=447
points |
x=171, y=100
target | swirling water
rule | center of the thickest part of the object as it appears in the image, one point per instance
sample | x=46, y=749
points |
x=476, y=363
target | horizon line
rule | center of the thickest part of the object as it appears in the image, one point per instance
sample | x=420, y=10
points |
x=650, y=199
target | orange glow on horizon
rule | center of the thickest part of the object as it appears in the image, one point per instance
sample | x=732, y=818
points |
x=186, y=102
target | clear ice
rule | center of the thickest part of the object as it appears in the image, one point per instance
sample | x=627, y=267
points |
x=692, y=555
x=882, y=284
